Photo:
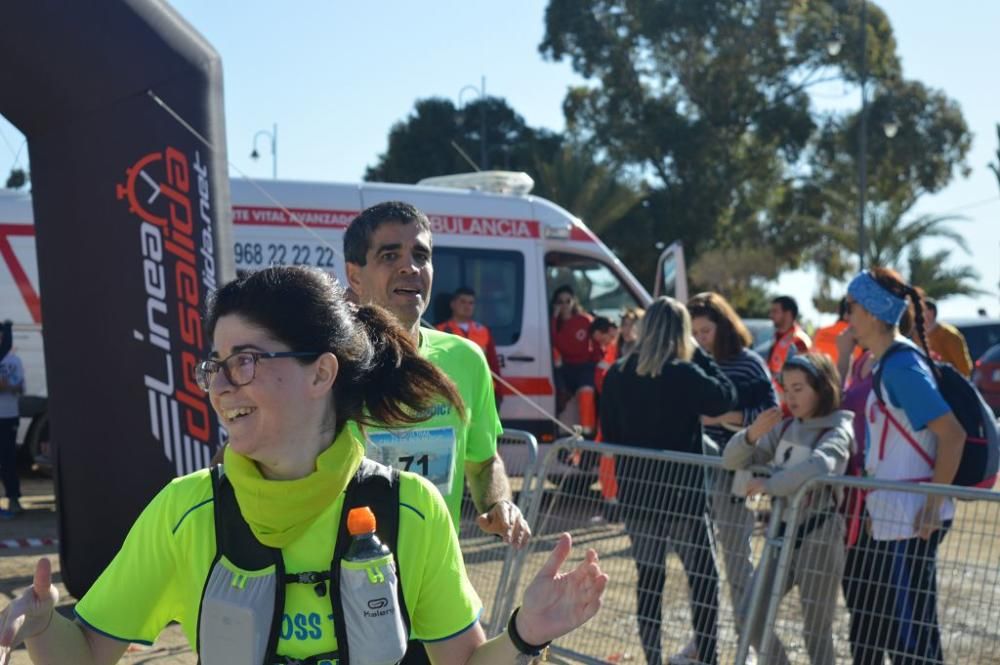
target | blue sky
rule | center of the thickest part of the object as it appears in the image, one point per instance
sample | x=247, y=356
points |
x=335, y=76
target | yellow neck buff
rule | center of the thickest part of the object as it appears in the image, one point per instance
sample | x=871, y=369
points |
x=279, y=511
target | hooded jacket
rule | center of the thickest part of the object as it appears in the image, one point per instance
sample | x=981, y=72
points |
x=797, y=452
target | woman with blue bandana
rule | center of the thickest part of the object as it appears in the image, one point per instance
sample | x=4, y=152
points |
x=912, y=435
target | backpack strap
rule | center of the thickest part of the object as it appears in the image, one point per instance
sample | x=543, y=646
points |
x=902, y=346
x=376, y=486
x=891, y=420
x=877, y=372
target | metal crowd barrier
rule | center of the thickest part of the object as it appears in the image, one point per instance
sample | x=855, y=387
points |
x=916, y=600
x=491, y=563
x=660, y=511
x=718, y=575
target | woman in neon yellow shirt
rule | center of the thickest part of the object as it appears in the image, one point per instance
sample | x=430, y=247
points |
x=292, y=363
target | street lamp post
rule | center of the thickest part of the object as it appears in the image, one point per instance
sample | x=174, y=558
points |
x=481, y=92
x=890, y=126
x=863, y=138
x=273, y=135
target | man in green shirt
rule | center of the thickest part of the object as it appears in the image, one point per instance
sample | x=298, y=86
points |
x=387, y=249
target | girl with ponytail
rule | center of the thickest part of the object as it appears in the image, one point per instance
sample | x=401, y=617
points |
x=912, y=435
x=293, y=363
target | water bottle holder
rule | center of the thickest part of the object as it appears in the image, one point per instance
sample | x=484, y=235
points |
x=230, y=613
x=376, y=632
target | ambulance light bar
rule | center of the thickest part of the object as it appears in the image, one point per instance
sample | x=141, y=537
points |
x=557, y=232
x=497, y=182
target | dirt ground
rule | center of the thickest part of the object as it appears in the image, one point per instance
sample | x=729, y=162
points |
x=17, y=567
x=969, y=581
x=39, y=521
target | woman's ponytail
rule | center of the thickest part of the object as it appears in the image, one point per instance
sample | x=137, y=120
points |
x=389, y=384
x=381, y=380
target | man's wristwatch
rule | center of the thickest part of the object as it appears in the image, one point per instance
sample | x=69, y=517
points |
x=519, y=643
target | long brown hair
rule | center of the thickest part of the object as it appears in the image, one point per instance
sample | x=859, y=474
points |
x=825, y=380
x=566, y=289
x=731, y=336
x=382, y=380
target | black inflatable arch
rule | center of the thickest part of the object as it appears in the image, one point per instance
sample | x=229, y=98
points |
x=132, y=224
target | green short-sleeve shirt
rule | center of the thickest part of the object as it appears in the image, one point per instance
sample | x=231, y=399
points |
x=439, y=447
x=160, y=572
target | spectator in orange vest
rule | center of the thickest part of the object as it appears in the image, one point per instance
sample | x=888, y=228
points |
x=463, y=307
x=825, y=339
x=604, y=333
x=946, y=341
x=789, y=338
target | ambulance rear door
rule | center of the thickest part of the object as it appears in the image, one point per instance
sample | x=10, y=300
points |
x=671, y=273
x=490, y=243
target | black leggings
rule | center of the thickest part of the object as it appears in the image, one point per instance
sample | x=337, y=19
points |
x=689, y=538
x=8, y=457
x=890, y=587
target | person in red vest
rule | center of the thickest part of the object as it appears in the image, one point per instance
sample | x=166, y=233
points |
x=463, y=307
x=789, y=338
x=575, y=353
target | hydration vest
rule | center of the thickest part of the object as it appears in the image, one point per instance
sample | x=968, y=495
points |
x=243, y=601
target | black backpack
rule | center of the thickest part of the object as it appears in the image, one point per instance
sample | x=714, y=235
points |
x=981, y=452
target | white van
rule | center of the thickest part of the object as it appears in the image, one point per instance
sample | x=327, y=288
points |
x=512, y=248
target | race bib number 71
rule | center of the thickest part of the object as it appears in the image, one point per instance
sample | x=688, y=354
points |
x=428, y=452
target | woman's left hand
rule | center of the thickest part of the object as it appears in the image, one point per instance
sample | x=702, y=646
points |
x=556, y=603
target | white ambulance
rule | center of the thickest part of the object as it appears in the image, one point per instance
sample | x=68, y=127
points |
x=490, y=235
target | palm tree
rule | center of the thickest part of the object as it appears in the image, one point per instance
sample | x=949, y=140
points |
x=891, y=234
x=939, y=282
x=595, y=193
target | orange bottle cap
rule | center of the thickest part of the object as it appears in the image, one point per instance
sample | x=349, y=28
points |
x=360, y=520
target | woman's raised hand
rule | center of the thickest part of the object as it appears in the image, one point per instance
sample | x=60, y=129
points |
x=30, y=613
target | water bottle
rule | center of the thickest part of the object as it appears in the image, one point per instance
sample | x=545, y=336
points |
x=376, y=631
x=365, y=544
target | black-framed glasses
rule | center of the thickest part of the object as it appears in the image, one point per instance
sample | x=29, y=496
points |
x=241, y=367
